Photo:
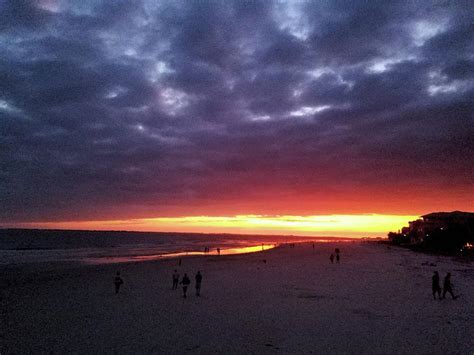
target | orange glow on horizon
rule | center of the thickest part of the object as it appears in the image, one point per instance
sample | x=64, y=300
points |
x=362, y=225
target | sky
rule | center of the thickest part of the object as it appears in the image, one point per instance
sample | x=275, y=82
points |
x=148, y=113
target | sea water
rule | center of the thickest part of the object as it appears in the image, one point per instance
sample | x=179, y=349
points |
x=98, y=247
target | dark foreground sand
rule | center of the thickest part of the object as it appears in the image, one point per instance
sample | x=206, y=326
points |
x=375, y=301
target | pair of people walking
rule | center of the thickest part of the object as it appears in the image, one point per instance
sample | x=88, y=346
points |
x=185, y=282
x=447, y=286
x=338, y=257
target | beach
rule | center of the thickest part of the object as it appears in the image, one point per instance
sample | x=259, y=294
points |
x=377, y=300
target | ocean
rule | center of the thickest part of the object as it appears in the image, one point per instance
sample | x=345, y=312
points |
x=26, y=246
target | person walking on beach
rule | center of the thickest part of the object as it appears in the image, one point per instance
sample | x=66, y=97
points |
x=175, y=280
x=337, y=251
x=218, y=251
x=332, y=258
x=435, y=285
x=447, y=286
x=198, y=283
x=185, y=282
x=118, y=282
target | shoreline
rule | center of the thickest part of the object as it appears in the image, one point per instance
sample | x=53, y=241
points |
x=110, y=254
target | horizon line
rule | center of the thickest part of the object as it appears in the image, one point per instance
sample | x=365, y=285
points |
x=343, y=225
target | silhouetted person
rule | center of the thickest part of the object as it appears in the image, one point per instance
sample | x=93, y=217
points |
x=447, y=286
x=175, y=280
x=118, y=282
x=198, y=283
x=185, y=282
x=435, y=285
x=313, y=245
x=332, y=258
x=219, y=251
x=338, y=258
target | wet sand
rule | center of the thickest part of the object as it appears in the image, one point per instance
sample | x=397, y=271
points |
x=377, y=300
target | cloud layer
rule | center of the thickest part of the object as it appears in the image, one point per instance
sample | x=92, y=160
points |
x=132, y=109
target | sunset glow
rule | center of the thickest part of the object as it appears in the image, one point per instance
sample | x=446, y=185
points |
x=322, y=225
x=286, y=117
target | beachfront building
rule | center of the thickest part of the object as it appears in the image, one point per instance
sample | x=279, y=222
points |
x=440, y=220
x=436, y=222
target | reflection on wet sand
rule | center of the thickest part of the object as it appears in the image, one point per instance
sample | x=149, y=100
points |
x=131, y=258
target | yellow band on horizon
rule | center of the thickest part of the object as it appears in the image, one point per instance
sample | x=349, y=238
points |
x=338, y=225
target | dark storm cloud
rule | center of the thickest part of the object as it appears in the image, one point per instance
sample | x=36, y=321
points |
x=144, y=107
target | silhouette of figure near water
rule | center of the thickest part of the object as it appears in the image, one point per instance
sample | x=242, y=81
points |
x=185, y=282
x=332, y=258
x=175, y=280
x=118, y=282
x=198, y=283
x=448, y=287
x=218, y=251
x=435, y=285
x=337, y=251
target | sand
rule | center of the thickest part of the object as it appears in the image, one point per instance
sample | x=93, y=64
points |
x=376, y=301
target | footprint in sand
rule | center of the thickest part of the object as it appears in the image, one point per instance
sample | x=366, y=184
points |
x=192, y=348
x=272, y=346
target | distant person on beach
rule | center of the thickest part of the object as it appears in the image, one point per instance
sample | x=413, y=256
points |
x=338, y=258
x=313, y=245
x=332, y=258
x=118, y=282
x=175, y=280
x=435, y=285
x=219, y=251
x=185, y=282
x=447, y=286
x=198, y=283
